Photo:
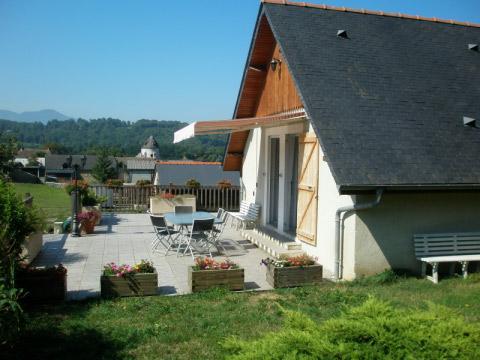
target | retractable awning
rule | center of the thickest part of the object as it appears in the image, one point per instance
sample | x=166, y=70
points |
x=229, y=126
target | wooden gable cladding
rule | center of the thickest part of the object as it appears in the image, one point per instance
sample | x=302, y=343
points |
x=264, y=91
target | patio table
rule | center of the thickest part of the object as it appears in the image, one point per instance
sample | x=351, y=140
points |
x=184, y=220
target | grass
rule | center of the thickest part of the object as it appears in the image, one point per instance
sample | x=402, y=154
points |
x=54, y=203
x=194, y=326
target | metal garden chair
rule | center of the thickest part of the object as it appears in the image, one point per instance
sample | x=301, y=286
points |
x=163, y=234
x=201, y=237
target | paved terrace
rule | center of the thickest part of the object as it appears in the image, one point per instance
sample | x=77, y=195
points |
x=126, y=238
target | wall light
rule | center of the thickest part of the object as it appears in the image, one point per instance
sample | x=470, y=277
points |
x=274, y=63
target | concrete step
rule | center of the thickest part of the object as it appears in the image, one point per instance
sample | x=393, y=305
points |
x=270, y=247
x=279, y=239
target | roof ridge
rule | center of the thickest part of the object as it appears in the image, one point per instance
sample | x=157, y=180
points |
x=371, y=12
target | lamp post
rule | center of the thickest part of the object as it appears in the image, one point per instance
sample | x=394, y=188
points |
x=76, y=199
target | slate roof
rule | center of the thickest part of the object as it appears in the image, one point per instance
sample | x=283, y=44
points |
x=178, y=173
x=141, y=164
x=55, y=162
x=150, y=143
x=388, y=102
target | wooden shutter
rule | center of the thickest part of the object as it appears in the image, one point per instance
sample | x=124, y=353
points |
x=307, y=189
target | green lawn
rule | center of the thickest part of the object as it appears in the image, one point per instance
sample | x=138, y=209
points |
x=193, y=326
x=53, y=202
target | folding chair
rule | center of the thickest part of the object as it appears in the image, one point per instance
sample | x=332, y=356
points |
x=163, y=234
x=183, y=209
x=201, y=236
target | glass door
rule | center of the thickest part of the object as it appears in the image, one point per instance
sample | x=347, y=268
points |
x=274, y=181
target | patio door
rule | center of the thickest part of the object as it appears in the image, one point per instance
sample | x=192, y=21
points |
x=274, y=181
x=307, y=189
x=291, y=184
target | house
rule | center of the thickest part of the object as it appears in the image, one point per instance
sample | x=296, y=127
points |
x=140, y=169
x=57, y=166
x=25, y=155
x=205, y=172
x=355, y=130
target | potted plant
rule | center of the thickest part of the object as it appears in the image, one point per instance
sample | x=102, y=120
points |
x=125, y=280
x=224, y=184
x=192, y=184
x=290, y=271
x=208, y=273
x=90, y=202
x=42, y=284
x=87, y=220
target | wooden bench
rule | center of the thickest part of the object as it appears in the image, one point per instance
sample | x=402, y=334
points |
x=248, y=214
x=454, y=248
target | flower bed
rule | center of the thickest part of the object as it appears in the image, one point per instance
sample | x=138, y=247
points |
x=208, y=273
x=42, y=284
x=125, y=280
x=293, y=271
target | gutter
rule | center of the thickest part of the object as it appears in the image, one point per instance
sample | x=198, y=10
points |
x=338, y=221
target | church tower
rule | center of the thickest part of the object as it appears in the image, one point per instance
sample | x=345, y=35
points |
x=150, y=149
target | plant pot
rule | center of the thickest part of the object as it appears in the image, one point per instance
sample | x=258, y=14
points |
x=293, y=276
x=96, y=210
x=87, y=227
x=200, y=280
x=42, y=288
x=132, y=285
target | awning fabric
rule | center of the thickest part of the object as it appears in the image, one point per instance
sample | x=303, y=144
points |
x=229, y=126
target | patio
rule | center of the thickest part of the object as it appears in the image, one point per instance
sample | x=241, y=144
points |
x=126, y=238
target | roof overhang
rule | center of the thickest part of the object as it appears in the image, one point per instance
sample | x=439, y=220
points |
x=236, y=125
x=406, y=188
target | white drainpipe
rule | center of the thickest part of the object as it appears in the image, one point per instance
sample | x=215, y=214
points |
x=339, y=244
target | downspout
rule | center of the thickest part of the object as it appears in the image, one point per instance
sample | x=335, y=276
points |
x=338, y=216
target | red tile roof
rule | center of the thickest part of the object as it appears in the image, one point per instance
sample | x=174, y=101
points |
x=370, y=12
x=188, y=162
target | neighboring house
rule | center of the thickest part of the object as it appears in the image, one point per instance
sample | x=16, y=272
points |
x=140, y=169
x=56, y=166
x=150, y=149
x=206, y=173
x=341, y=108
x=24, y=155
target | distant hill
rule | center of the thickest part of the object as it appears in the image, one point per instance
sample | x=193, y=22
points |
x=122, y=138
x=33, y=116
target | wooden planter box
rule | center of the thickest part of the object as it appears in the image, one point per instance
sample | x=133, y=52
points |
x=294, y=275
x=42, y=288
x=232, y=279
x=132, y=285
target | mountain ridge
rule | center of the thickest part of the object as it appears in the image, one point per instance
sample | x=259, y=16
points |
x=42, y=116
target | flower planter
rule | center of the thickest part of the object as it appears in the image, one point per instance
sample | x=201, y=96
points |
x=96, y=210
x=291, y=276
x=41, y=288
x=199, y=280
x=87, y=227
x=140, y=284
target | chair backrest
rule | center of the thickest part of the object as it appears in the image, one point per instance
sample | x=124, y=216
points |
x=446, y=244
x=202, y=225
x=158, y=221
x=221, y=213
x=250, y=210
x=183, y=209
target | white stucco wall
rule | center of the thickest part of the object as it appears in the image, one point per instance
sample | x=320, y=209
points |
x=252, y=168
x=149, y=153
x=329, y=201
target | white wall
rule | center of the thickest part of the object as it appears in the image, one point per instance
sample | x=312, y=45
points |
x=149, y=153
x=329, y=201
x=252, y=168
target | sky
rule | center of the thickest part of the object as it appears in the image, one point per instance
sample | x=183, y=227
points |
x=152, y=59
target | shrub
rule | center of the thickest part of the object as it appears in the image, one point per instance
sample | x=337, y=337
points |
x=143, y=183
x=373, y=330
x=192, y=184
x=114, y=182
x=11, y=314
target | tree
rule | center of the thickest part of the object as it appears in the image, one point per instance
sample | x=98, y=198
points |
x=103, y=169
x=8, y=150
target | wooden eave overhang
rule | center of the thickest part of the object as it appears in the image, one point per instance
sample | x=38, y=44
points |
x=254, y=76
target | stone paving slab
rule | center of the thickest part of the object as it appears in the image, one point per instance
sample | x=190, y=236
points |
x=126, y=238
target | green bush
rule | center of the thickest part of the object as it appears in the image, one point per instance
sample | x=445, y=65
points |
x=11, y=314
x=373, y=330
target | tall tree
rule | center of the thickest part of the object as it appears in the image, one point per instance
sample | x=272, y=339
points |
x=8, y=150
x=103, y=168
